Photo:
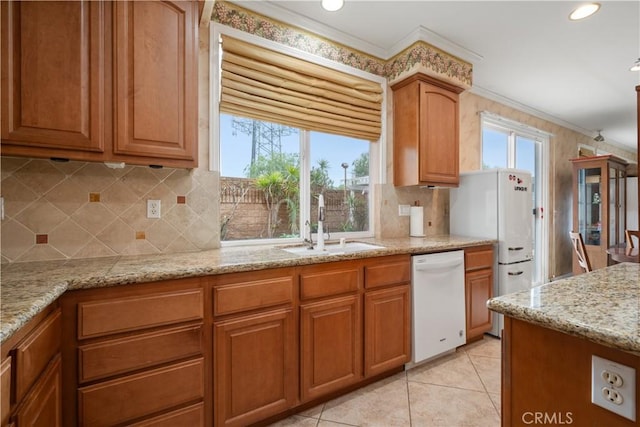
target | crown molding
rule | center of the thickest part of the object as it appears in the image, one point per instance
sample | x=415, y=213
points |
x=290, y=18
x=485, y=93
x=436, y=40
x=419, y=34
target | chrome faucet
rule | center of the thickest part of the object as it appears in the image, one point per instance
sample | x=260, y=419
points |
x=320, y=222
x=308, y=239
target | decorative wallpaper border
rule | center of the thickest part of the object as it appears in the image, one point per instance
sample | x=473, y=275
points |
x=419, y=55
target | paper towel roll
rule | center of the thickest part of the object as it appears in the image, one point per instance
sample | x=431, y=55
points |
x=417, y=222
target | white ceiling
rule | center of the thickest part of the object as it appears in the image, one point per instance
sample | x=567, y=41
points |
x=524, y=53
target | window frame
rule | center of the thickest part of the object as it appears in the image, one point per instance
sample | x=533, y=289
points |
x=377, y=151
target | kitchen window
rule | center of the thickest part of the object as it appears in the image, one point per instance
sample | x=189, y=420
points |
x=274, y=166
x=509, y=144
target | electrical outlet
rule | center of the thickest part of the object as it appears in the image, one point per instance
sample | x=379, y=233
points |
x=404, y=210
x=613, y=387
x=153, y=208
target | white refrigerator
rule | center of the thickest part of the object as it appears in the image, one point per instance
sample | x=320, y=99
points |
x=498, y=204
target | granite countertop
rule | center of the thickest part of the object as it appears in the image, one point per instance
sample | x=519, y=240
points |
x=27, y=288
x=602, y=306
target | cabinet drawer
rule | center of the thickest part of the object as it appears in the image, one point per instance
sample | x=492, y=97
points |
x=251, y=294
x=191, y=416
x=109, y=316
x=326, y=280
x=141, y=351
x=34, y=353
x=387, y=271
x=477, y=259
x=142, y=394
x=5, y=390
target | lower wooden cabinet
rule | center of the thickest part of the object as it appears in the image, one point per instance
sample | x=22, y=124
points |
x=255, y=367
x=31, y=373
x=387, y=325
x=330, y=345
x=136, y=354
x=43, y=405
x=478, y=290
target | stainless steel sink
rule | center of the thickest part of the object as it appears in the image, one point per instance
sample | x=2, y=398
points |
x=332, y=249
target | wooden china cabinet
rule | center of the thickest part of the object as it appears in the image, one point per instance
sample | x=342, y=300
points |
x=599, y=205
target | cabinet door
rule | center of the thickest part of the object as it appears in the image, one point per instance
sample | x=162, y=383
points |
x=5, y=390
x=255, y=367
x=330, y=345
x=156, y=81
x=53, y=79
x=478, y=288
x=387, y=329
x=43, y=405
x=438, y=135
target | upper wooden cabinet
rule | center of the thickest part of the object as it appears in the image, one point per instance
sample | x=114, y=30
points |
x=53, y=79
x=425, y=132
x=100, y=81
x=599, y=206
x=156, y=80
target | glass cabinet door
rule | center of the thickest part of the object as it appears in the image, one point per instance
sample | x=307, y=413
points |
x=589, y=205
x=617, y=220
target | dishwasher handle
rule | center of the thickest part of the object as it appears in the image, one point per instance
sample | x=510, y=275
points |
x=431, y=266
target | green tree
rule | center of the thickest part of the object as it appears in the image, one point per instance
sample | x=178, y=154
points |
x=361, y=165
x=279, y=178
x=320, y=180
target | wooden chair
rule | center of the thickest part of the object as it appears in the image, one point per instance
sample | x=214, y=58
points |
x=628, y=234
x=581, y=252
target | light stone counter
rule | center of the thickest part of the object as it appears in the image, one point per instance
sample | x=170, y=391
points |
x=602, y=306
x=27, y=288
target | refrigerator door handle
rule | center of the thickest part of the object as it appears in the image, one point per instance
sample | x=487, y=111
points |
x=519, y=248
x=517, y=273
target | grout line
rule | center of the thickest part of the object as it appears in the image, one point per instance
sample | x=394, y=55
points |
x=406, y=382
x=483, y=384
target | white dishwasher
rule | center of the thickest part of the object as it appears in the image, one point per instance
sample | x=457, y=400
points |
x=437, y=282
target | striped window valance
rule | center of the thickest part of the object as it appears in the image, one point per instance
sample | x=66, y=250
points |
x=267, y=85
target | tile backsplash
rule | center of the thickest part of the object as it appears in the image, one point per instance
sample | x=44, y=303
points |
x=56, y=210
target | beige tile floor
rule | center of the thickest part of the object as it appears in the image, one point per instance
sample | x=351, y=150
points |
x=456, y=390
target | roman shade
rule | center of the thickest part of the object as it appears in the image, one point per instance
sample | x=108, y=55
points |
x=266, y=85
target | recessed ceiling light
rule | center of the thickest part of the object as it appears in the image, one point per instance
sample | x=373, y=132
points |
x=332, y=5
x=635, y=66
x=584, y=11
